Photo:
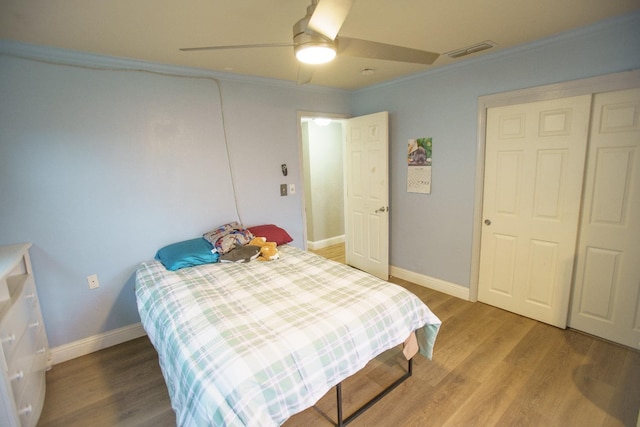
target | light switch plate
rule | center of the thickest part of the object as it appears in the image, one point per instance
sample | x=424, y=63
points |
x=283, y=189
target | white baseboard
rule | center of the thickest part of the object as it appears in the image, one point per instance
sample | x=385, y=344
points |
x=97, y=342
x=448, y=288
x=324, y=243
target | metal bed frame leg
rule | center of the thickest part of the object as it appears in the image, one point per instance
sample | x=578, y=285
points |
x=371, y=402
x=339, y=397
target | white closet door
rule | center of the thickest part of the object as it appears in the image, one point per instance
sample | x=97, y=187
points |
x=534, y=168
x=606, y=299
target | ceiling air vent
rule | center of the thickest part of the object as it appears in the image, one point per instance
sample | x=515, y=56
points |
x=471, y=49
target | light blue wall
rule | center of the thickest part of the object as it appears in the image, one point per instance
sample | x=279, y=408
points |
x=100, y=168
x=262, y=123
x=432, y=234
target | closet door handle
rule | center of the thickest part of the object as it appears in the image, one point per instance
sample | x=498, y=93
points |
x=487, y=222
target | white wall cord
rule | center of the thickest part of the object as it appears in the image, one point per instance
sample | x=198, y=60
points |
x=165, y=74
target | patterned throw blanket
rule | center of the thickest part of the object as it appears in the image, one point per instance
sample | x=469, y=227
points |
x=254, y=343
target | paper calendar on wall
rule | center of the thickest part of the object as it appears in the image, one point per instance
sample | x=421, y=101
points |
x=419, y=165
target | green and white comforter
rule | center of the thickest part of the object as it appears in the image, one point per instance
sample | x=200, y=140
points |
x=254, y=343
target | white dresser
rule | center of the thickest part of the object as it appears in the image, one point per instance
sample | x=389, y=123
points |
x=25, y=352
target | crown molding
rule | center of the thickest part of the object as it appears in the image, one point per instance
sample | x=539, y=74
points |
x=66, y=57
x=630, y=19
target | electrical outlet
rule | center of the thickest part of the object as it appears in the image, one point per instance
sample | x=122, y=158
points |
x=93, y=281
x=292, y=189
x=283, y=189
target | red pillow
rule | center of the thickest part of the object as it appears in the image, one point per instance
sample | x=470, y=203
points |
x=272, y=233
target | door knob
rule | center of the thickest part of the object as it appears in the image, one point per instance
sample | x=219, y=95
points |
x=487, y=221
x=382, y=209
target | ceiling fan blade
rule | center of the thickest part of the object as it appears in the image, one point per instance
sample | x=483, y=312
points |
x=328, y=17
x=238, y=46
x=368, y=49
x=305, y=74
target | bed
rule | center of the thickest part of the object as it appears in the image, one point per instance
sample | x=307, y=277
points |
x=257, y=342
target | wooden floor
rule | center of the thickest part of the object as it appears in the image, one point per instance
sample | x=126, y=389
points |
x=490, y=368
x=335, y=252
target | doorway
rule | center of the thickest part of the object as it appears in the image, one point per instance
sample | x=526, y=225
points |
x=322, y=150
x=358, y=208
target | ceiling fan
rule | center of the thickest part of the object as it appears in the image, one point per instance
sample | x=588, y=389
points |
x=316, y=41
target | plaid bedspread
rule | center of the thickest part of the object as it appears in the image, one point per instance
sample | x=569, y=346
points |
x=254, y=343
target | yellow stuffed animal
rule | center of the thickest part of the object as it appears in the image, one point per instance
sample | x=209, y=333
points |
x=268, y=250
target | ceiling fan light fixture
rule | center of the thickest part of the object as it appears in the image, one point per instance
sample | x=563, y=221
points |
x=315, y=53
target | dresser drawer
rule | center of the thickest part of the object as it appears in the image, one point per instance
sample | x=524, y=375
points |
x=27, y=370
x=40, y=353
x=19, y=368
x=20, y=314
x=34, y=332
x=30, y=405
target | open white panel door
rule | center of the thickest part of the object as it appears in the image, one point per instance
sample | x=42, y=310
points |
x=367, y=193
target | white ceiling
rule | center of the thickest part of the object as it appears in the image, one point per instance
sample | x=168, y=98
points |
x=154, y=30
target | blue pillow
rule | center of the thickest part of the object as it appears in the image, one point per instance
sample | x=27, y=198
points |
x=187, y=254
